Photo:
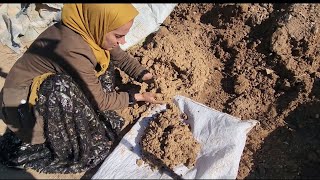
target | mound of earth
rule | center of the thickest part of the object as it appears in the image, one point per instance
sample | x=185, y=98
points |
x=254, y=61
x=168, y=142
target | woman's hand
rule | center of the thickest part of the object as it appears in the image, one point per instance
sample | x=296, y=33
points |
x=147, y=97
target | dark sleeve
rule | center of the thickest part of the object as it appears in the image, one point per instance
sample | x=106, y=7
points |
x=127, y=63
x=82, y=69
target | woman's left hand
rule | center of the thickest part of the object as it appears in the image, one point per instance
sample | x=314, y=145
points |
x=147, y=97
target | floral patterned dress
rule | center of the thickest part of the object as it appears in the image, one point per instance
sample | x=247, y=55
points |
x=77, y=137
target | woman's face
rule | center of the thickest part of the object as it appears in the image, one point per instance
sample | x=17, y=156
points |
x=116, y=37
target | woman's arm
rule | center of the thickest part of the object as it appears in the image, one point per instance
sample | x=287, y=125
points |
x=82, y=70
x=128, y=64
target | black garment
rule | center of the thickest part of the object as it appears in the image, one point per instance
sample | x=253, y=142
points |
x=77, y=137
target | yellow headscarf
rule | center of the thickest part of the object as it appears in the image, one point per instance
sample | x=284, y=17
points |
x=93, y=21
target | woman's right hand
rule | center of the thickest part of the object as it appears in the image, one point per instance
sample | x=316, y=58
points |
x=147, y=97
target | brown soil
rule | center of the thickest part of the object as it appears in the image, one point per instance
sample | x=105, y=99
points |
x=169, y=142
x=253, y=61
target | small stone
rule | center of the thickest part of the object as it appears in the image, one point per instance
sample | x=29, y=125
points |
x=269, y=71
x=144, y=60
x=150, y=63
x=109, y=143
x=139, y=162
x=273, y=112
x=244, y=8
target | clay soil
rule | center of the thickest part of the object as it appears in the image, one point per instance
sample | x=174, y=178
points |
x=253, y=61
x=168, y=141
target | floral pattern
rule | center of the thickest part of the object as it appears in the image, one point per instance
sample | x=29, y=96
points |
x=77, y=137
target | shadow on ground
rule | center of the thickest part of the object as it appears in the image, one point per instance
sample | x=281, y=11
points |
x=3, y=74
x=292, y=151
x=11, y=173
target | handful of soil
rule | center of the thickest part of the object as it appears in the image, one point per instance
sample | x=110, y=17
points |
x=168, y=142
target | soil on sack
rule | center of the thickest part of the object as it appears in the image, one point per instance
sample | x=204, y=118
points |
x=168, y=141
x=253, y=61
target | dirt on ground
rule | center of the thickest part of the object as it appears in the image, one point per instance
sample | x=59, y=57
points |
x=253, y=61
x=168, y=141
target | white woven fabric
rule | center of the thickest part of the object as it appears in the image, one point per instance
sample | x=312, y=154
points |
x=221, y=136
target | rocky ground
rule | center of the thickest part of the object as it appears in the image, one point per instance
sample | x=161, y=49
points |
x=253, y=61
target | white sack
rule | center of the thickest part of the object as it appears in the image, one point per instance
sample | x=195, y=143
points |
x=149, y=19
x=221, y=136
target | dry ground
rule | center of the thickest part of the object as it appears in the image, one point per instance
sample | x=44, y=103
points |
x=254, y=61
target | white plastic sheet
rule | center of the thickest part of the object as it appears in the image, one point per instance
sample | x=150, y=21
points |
x=21, y=24
x=148, y=21
x=19, y=19
x=221, y=136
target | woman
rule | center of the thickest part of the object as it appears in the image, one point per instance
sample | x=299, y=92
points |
x=59, y=97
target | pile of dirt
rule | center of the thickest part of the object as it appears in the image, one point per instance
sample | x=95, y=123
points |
x=253, y=61
x=168, y=142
